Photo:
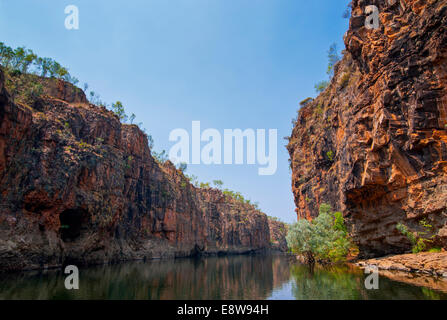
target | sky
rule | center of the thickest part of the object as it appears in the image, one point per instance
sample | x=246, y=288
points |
x=226, y=63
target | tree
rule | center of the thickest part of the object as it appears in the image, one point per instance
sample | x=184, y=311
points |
x=192, y=179
x=333, y=58
x=44, y=65
x=118, y=109
x=28, y=60
x=321, y=86
x=218, y=183
x=183, y=166
x=204, y=185
x=53, y=68
x=132, y=118
x=61, y=72
x=161, y=157
x=323, y=239
x=150, y=142
x=6, y=55
x=19, y=55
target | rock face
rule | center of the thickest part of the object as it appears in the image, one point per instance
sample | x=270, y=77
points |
x=77, y=186
x=431, y=263
x=278, y=233
x=374, y=143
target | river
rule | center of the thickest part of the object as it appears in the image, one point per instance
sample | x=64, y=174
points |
x=228, y=277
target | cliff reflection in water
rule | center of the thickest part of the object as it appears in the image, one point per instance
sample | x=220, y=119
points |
x=232, y=277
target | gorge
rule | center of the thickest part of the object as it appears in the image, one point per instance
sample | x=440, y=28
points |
x=80, y=187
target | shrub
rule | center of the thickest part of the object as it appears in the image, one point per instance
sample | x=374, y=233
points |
x=160, y=157
x=420, y=241
x=182, y=166
x=192, y=179
x=344, y=80
x=218, y=183
x=324, y=239
x=321, y=86
x=204, y=185
x=118, y=109
x=333, y=58
x=305, y=102
x=330, y=155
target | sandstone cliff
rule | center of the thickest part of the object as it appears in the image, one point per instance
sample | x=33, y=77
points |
x=77, y=186
x=374, y=143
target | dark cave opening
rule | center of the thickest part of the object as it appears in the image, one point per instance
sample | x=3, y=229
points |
x=71, y=224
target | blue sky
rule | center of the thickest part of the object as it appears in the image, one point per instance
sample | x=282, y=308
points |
x=228, y=63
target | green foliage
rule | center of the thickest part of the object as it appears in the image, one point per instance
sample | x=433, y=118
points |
x=26, y=61
x=235, y=195
x=305, y=102
x=192, y=179
x=128, y=162
x=34, y=90
x=204, y=185
x=339, y=223
x=319, y=110
x=20, y=61
x=321, y=86
x=420, y=241
x=118, y=109
x=160, y=157
x=132, y=118
x=150, y=142
x=330, y=155
x=182, y=166
x=333, y=58
x=325, y=238
x=218, y=183
x=344, y=81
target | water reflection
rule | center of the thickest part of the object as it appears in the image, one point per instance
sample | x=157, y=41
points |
x=234, y=277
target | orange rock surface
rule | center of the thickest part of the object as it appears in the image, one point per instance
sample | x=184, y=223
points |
x=374, y=143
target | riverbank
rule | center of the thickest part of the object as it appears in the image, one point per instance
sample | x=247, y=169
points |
x=424, y=269
x=429, y=263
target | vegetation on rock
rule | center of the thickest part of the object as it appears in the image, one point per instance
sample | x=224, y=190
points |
x=420, y=241
x=324, y=239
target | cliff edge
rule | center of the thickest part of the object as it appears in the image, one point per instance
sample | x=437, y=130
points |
x=374, y=143
x=77, y=186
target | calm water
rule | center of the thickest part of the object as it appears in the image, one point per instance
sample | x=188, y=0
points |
x=233, y=277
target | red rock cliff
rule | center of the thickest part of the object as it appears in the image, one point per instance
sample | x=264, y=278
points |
x=374, y=143
x=77, y=186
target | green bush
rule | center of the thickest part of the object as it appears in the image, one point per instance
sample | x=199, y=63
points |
x=344, y=80
x=420, y=241
x=321, y=86
x=324, y=239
